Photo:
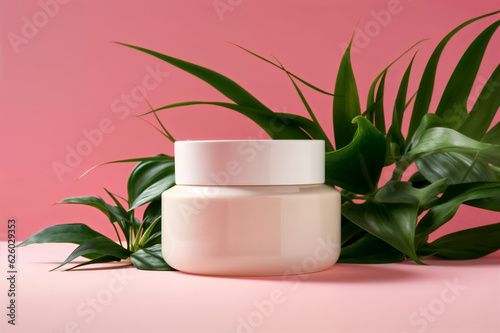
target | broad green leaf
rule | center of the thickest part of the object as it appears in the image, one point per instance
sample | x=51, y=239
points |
x=404, y=192
x=283, y=69
x=275, y=125
x=345, y=103
x=453, y=104
x=486, y=106
x=149, y=180
x=114, y=213
x=457, y=168
x=467, y=244
x=426, y=86
x=370, y=250
x=394, y=223
x=357, y=166
x=226, y=86
x=98, y=260
x=97, y=246
x=449, y=203
x=428, y=121
x=76, y=233
x=439, y=140
x=150, y=259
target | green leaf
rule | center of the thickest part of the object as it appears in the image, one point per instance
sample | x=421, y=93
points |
x=449, y=203
x=426, y=86
x=395, y=139
x=289, y=73
x=404, y=192
x=151, y=213
x=372, y=102
x=370, y=250
x=318, y=128
x=486, y=106
x=457, y=168
x=305, y=124
x=139, y=159
x=149, y=180
x=453, y=104
x=357, y=166
x=375, y=106
x=76, y=233
x=492, y=156
x=276, y=125
x=97, y=246
x=148, y=231
x=226, y=86
x=492, y=203
x=98, y=260
x=350, y=232
x=150, y=259
x=439, y=140
x=394, y=223
x=467, y=244
x=428, y=121
x=345, y=103
x=114, y=213
x=154, y=239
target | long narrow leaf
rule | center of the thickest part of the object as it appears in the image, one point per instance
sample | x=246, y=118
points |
x=319, y=129
x=394, y=138
x=370, y=250
x=345, y=103
x=289, y=73
x=449, y=203
x=276, y=126
x=486, y=106
x=426, y=86
x=467, y=244
x=97, y=246
x=129, y=160
x=226, y=86
x=453, y=104
x=76, y=233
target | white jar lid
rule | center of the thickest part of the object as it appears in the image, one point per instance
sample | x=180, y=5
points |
x=250, y=162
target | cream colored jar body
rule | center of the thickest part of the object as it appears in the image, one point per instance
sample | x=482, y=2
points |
x=251, y=230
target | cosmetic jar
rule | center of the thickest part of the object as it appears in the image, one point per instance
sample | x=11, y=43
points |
x=249, y=208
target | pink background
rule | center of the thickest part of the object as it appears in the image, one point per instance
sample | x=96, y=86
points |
x=65, y=79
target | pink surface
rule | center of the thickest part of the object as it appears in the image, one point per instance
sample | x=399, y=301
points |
x=64, y=86
x=444, y=297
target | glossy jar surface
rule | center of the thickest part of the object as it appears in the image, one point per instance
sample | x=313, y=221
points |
x=251, y=230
